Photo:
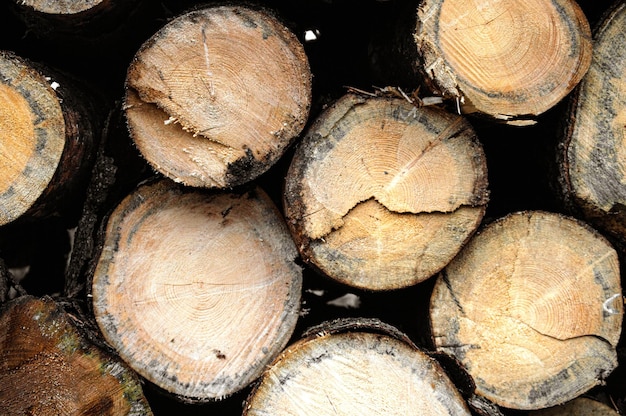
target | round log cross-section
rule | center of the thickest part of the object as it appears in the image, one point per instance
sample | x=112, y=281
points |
x=593, y=159
x=354, y=372
x=510, y=60
x=215, y=97
x=532, y=308
x=46, y=139
x=64, y=6
x=381, y=194
x=581, y=406
x=197, y=292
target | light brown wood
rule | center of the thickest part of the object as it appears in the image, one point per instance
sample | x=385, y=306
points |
x=215, y=97
x=48, y=368
x=196, y=291
x=63, y=6
x=354, y=372
x=46, y=139
x=532, y=307
x=381, y=194
x=509, y=60
x=581, y=406
x=593, y=159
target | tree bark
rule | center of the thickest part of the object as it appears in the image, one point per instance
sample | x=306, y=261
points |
x=532, y=307
x=381, y=194
x=48, y=138
x=354, y=370
x=216, y=96
x=117, y=171
x=593, y=153
x=48, y=368
x=510, y=61
x=197, y=292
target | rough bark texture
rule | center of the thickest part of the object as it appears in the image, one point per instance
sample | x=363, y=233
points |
x=48, y=368
x=381, y=194
x=509, y=60
x=48, y=138
x=216, y=96
x=593, y=153
x=197, y=292
x=354, y=370
x=532, y=307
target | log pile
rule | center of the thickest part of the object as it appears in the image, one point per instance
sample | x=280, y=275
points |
x=373, y=207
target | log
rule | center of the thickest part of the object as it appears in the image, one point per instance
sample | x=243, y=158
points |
x=117, y=171
x=532, y=308
x=197, y=292
x=581, y=406
x=381, y=194
x=48, y=136
x=215, y=97
x=592, y=157
x=48, y=368
x=75, y=17
x=354, y=369
x=507, y=60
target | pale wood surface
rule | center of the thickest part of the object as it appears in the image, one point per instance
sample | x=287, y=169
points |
x=532, y=307
x=63, y=6
x=215, y=97
x=196, y=291
x=381, y=194
x=510, y=60
x=581, y=406
x=354, y=373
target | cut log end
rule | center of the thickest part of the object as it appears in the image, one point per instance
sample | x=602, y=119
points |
x=508, y=60
x=364, y=372
x=48, y=368
x=581, y=406
x=593, y=161
x=197, y=292
x=216, y=96
x=382, y=194
x=532, y=307
x=32, y=130
x=62, y=7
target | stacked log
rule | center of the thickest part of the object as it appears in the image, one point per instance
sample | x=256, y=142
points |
x=49, y=133
x=242, y=194
x=591, y=158
x=48, y=367
x=355, y=368
x=216, y=96
x=532, y=307
x=196, y=291
x=381, y=194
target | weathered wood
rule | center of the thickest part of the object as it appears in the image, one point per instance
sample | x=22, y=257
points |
x=581, y=406
x=48, y=136
x=76, y=17
x=216, y=96
x=532, y=307
x=117, y=171
x=509, y=60
x=357, y=370
x=593, y=152
x=381, y=194
x=48, y=368
x=196, y=291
